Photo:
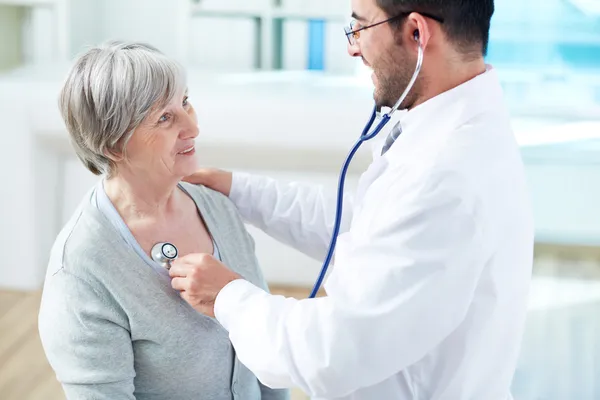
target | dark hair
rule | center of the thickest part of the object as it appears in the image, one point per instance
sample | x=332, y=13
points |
x=466, y=22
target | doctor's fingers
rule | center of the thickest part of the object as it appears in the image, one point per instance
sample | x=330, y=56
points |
x=190, y=264
x=181, y=284
x=215, y=179
x=195, y=259
x=190, y=285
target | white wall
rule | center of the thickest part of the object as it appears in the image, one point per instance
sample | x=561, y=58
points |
x=295, y=45
x=564, y=179
x=10, y=36
x=336, y=55
x=566, y=201
x=216, y=43
x=156, y=22
x=17, y=195
x=222, y=44
x=40, y=40
x=85, y=24
x=47, y=31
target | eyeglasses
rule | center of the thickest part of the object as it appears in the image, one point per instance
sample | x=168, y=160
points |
x=354, y=34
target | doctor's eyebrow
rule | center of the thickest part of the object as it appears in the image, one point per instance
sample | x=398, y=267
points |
x=357, y=17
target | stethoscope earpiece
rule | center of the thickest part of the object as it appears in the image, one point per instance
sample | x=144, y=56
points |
x=163, y=253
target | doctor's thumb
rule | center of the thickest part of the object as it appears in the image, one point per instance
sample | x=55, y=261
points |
x=216, y=179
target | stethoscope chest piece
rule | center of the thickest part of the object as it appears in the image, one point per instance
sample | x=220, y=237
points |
x=164, y=253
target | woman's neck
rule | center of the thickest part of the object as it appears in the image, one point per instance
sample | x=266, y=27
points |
x=143, y=197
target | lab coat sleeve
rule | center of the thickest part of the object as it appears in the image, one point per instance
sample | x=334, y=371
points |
x=297, y=214
x=401, y=285
x=85, y=342
x=267, y=393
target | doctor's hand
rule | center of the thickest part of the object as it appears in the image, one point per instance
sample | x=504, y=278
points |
x=200, y=278
x=215, y=179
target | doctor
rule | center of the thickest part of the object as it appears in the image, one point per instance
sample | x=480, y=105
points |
x=428, y=295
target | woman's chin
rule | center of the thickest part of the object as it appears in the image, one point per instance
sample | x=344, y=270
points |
x=186, y=168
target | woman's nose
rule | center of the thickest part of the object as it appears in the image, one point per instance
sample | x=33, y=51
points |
x=190, y=129
x=194, y=131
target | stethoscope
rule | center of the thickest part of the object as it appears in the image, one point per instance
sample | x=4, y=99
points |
x=164, y=253
x=365, y=135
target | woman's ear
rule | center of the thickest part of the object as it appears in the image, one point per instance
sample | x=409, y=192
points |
x=118, y=152
x=114, y=155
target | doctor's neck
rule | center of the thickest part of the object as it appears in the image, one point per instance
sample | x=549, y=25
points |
x=448, y=73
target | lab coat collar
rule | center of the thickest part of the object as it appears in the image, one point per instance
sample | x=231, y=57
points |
x=449, y=110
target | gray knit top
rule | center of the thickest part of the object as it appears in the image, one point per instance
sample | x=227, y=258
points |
x=114, y=329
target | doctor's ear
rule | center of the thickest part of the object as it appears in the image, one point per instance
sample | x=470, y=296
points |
x=419, y=29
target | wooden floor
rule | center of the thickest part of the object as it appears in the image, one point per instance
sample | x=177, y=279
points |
x=24, y=371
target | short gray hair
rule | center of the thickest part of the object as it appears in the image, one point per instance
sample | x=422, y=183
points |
x=108, y=93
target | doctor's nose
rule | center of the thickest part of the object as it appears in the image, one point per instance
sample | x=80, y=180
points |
x=354, y=50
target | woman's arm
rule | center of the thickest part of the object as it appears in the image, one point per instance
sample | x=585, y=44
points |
x=86, y=340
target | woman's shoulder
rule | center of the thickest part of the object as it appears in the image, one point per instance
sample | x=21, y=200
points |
x=78, y=261
x=213, y=203
x=83, y=241
x=83, y=267
x=204, y=194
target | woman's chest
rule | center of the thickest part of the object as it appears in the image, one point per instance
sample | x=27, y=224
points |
x=189, y=235
x=176, y=347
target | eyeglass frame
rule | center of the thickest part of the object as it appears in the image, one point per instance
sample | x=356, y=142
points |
x=349, y=31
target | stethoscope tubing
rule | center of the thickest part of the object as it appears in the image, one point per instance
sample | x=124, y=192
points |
x=365, y=135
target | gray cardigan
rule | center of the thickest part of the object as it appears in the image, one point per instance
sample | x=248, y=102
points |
x=114, y=329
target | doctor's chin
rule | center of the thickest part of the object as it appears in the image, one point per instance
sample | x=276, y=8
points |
x=292, y=200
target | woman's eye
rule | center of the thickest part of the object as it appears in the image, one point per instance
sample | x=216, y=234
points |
x=185, y=101
x=164, y=118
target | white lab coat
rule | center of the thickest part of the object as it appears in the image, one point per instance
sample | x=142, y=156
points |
x=428, y=296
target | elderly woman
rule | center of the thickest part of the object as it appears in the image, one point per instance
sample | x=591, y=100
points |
x=110, y=322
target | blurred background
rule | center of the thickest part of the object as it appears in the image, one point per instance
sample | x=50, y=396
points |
x=277, y=93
